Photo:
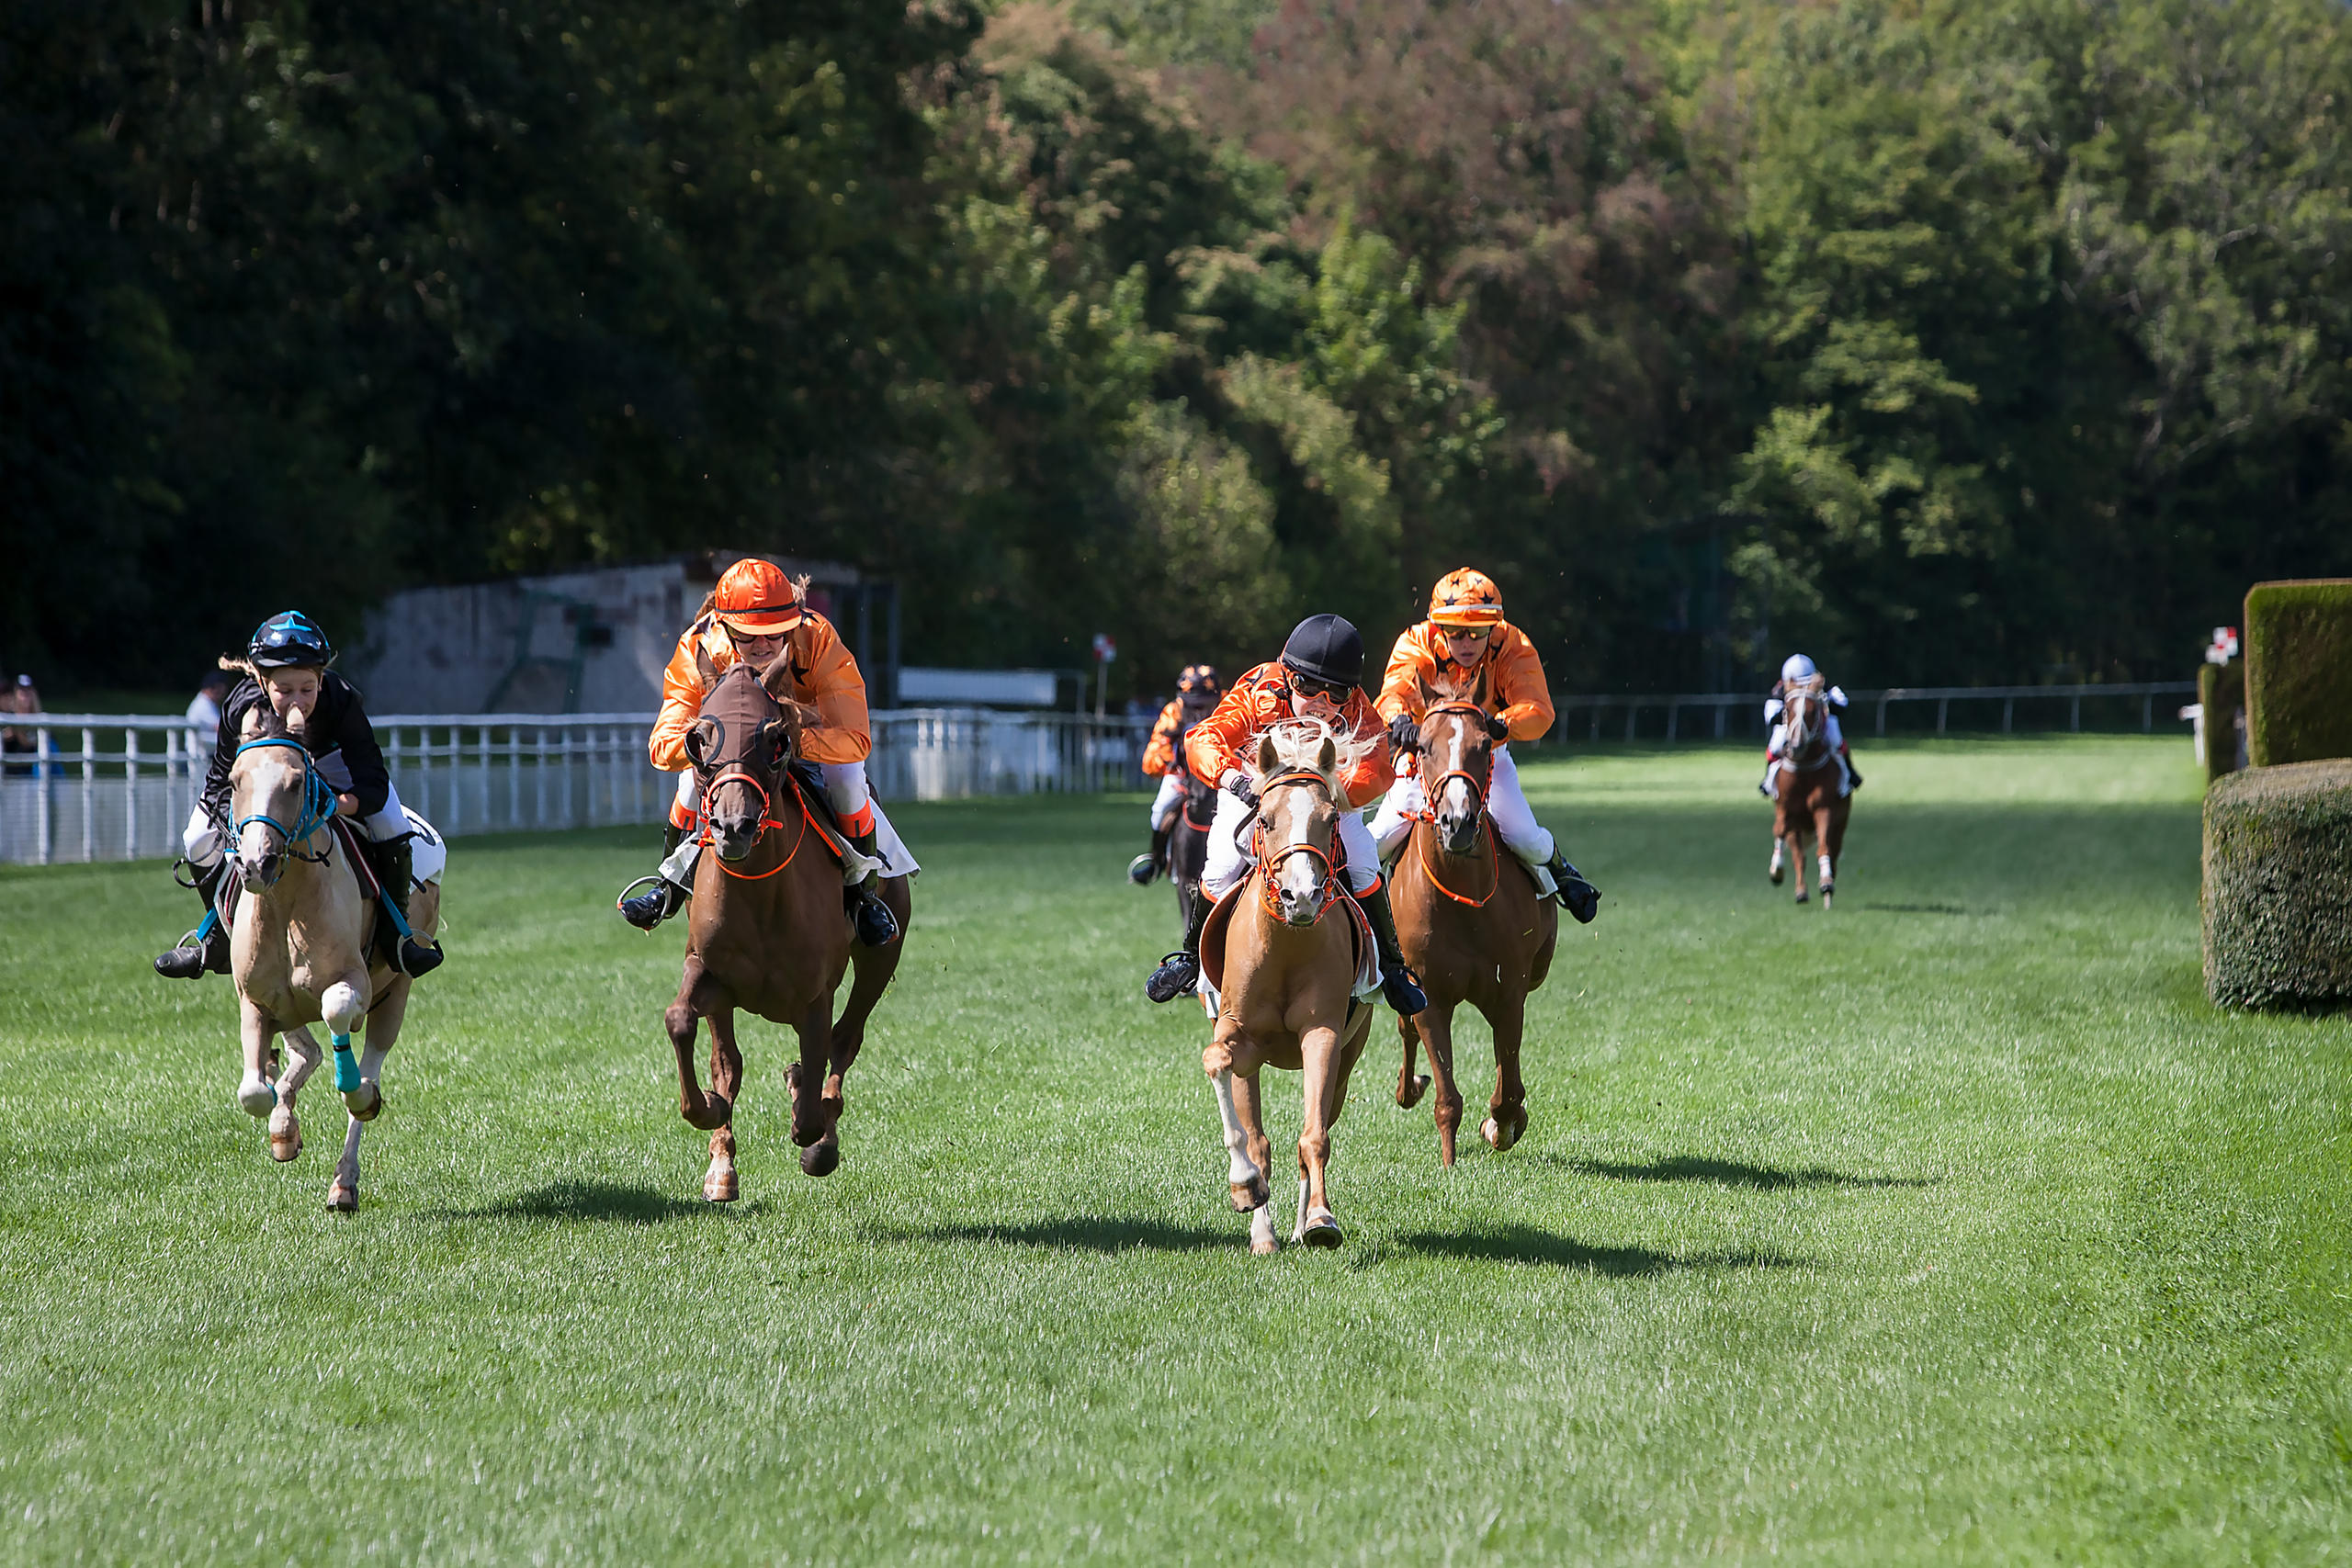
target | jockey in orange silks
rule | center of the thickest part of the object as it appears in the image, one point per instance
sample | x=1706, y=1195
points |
x=1163, y=759
x=1796, y=668
x=1466, y=651
x=757, y=613
x=1316, y=677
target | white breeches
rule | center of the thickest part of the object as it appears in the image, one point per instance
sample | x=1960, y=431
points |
x=1780, y=733
x=1170, y=799
x=1228, y=863
x=845, y=789
x=1506, y=802
x=202, y=841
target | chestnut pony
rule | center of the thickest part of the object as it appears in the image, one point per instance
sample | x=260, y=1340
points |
x=1808, y=802
x=1470, y=923
x=1281, y=951
x=769, y=932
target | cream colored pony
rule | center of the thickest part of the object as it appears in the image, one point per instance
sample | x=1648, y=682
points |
x=299, y=948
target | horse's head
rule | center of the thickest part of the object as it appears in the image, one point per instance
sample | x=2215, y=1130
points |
x=1300, y=796
x=277, y=799
x=748, y=733
x=1457, y=764
x=1804, y=715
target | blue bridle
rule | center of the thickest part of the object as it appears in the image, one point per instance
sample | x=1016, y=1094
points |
x=318, y=802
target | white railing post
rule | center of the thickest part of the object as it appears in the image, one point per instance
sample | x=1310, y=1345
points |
x=89, y=796
x=130, y=793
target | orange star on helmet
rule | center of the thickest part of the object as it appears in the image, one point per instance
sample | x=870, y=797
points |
x=1466, y=598
x=756, y=599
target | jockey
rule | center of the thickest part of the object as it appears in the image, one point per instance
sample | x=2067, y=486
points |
x=757, y=613
x=1467, y=647
x=1163, y=759
x=1796, y=668
x=286, y=666
x=1316, y=678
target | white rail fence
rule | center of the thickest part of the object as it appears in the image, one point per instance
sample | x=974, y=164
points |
x=1744, y=711
x=114, y=786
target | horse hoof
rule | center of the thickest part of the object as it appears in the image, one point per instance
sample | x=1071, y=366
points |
x=1248, y=1197
x=1777, y=874
x=1263, y=1243
x=1409, y=1091
x=719, y=1186
x=256, y=1097
x=1320, y=1230
x=822, y=1159
x=1804, y=897
x=341, y=1198
x=285, y=1135
x=366, y=1103
x=1501, y=1135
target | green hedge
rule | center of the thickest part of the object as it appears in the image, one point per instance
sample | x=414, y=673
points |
x=2222, y=689
x=2299, y=671
x=2278, y=887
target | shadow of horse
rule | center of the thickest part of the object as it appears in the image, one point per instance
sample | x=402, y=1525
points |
x=1727, y=1173
x=583, y=1203
x=1523, y=1243
x=1104, y=1234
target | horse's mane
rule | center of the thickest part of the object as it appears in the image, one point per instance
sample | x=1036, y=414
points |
x=1298, y=741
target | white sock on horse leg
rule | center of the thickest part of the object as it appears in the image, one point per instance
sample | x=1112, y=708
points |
x=1240, y=1170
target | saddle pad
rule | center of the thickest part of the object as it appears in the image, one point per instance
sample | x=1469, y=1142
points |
x=1220, y=922
x=431, y=851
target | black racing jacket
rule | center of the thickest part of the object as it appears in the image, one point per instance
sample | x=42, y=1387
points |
x=338, y=730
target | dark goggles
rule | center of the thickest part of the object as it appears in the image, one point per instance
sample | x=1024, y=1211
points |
x=1308, y=686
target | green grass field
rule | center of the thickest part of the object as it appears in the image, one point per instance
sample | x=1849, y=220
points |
x=1952, y=1225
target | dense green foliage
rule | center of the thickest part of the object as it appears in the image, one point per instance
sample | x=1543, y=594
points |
x=1950, y=1227
x=2279, y=885
x=1952, y=342
x=2299, y=672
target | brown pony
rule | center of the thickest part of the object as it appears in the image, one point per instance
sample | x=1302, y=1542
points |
x=1471, y=924
x=768, y=933
x=1284, y=974
x=1806, y=804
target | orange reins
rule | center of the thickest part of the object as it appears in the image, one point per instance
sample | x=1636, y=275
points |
x=1326, y=885
x=1478, y=787
x=736, y=773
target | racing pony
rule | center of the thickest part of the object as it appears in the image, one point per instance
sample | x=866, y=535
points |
x=1283, y=967
x=769, y=932
x=1471, y=923
x=1811, y=799
x=302, y=946
x=1188, y=845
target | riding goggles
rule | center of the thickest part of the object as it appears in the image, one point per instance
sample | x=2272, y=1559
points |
x=1308, y=686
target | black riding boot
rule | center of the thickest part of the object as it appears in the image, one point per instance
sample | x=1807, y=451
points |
x=876, y=926
x=1577, y=895
x=1143, y=867
x=1853, y=773
x=396, y=864
x=1397, y=982
x=661, y=900
x=1180, y=973
x=193, y=955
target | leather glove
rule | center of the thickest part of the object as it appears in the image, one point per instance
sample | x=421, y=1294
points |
x=1237, y=784
x=1404, y=734
x=1496, y=729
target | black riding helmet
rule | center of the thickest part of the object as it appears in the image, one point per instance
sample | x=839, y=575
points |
x=287, y=639
x=1325, y=649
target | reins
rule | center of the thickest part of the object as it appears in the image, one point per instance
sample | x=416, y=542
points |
x=1327, y=885
x=735, y=772
x=318, y=804
x=1479, y=788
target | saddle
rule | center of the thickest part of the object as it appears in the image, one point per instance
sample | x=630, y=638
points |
x=1220, y=922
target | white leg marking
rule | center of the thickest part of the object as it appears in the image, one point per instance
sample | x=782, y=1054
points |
x=344, y=1008
x=255, y=1095
x=1824, y=868
x=1240, y=1170
x=1299, y=1229
x=1262, y=1240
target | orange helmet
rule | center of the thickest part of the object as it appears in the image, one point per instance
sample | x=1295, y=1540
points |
x=1466, y=598
x=756, y=599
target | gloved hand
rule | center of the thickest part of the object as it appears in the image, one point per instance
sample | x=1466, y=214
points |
x=1404, y=734
x=1498, y=730
x=1236, y=782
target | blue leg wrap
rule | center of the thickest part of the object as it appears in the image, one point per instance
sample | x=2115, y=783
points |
x=346, y=1068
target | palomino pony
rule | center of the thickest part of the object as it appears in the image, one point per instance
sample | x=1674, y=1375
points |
x=1808, y=802
x=769, y=932
x=300, y=947
x=1282, y=978
x=1471, y=925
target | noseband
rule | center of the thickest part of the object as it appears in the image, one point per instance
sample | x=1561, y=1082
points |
x=318, y=803
x=1326, y=887
x=1479, y=782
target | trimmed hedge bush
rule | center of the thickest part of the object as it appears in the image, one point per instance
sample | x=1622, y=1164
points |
x=2299, y=671
x=2222, y=689
x=2278, y=887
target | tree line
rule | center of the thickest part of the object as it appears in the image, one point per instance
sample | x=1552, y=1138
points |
x=1951, y=343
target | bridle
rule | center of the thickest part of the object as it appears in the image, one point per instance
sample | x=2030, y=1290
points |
x=1803, y=737
x=318, y=804
x=1326, y=888
x=1479, y=782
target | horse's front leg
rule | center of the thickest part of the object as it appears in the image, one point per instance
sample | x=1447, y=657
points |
x=256, y=1095
x=1436, y=1026
x=1777, y=870
x=1507, y=1111
x=1249, y=1105
x=719, y=1183
x=285, y=1128
x=1245, y=1166
x=1795, y=842
x=1318, y=1049
x=679, y=1021
x=820, y=1148
x=1411, y=1086
x=364, y=1103
x=1821, y=841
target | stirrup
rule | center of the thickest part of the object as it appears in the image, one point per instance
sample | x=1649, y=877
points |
x=1403, y=990
x=1142, y=869
x=1179, y=975
x=416, y=958
x=646, y=910
x=876, y=926
x=184, y=961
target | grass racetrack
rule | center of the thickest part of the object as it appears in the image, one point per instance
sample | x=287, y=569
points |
x=1952, y=1225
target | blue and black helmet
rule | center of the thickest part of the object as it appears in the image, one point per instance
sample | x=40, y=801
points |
x=289, y=638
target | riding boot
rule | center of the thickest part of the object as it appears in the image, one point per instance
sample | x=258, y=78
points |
x=1397, y=981
x=1853, y=773
x=661, y=901
x=1577, y=895
x=1764, y=785
x=876, y=926
x=1143, y=867
x=396, y=865
x=1180, y=973
x=201, y=949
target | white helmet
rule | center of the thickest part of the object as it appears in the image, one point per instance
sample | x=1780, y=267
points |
x=1798, y=668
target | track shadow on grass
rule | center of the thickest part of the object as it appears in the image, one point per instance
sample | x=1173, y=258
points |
x=585, y=1202
x=1106, y=1234
x=1522, y=1244
x=1727, y=1173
